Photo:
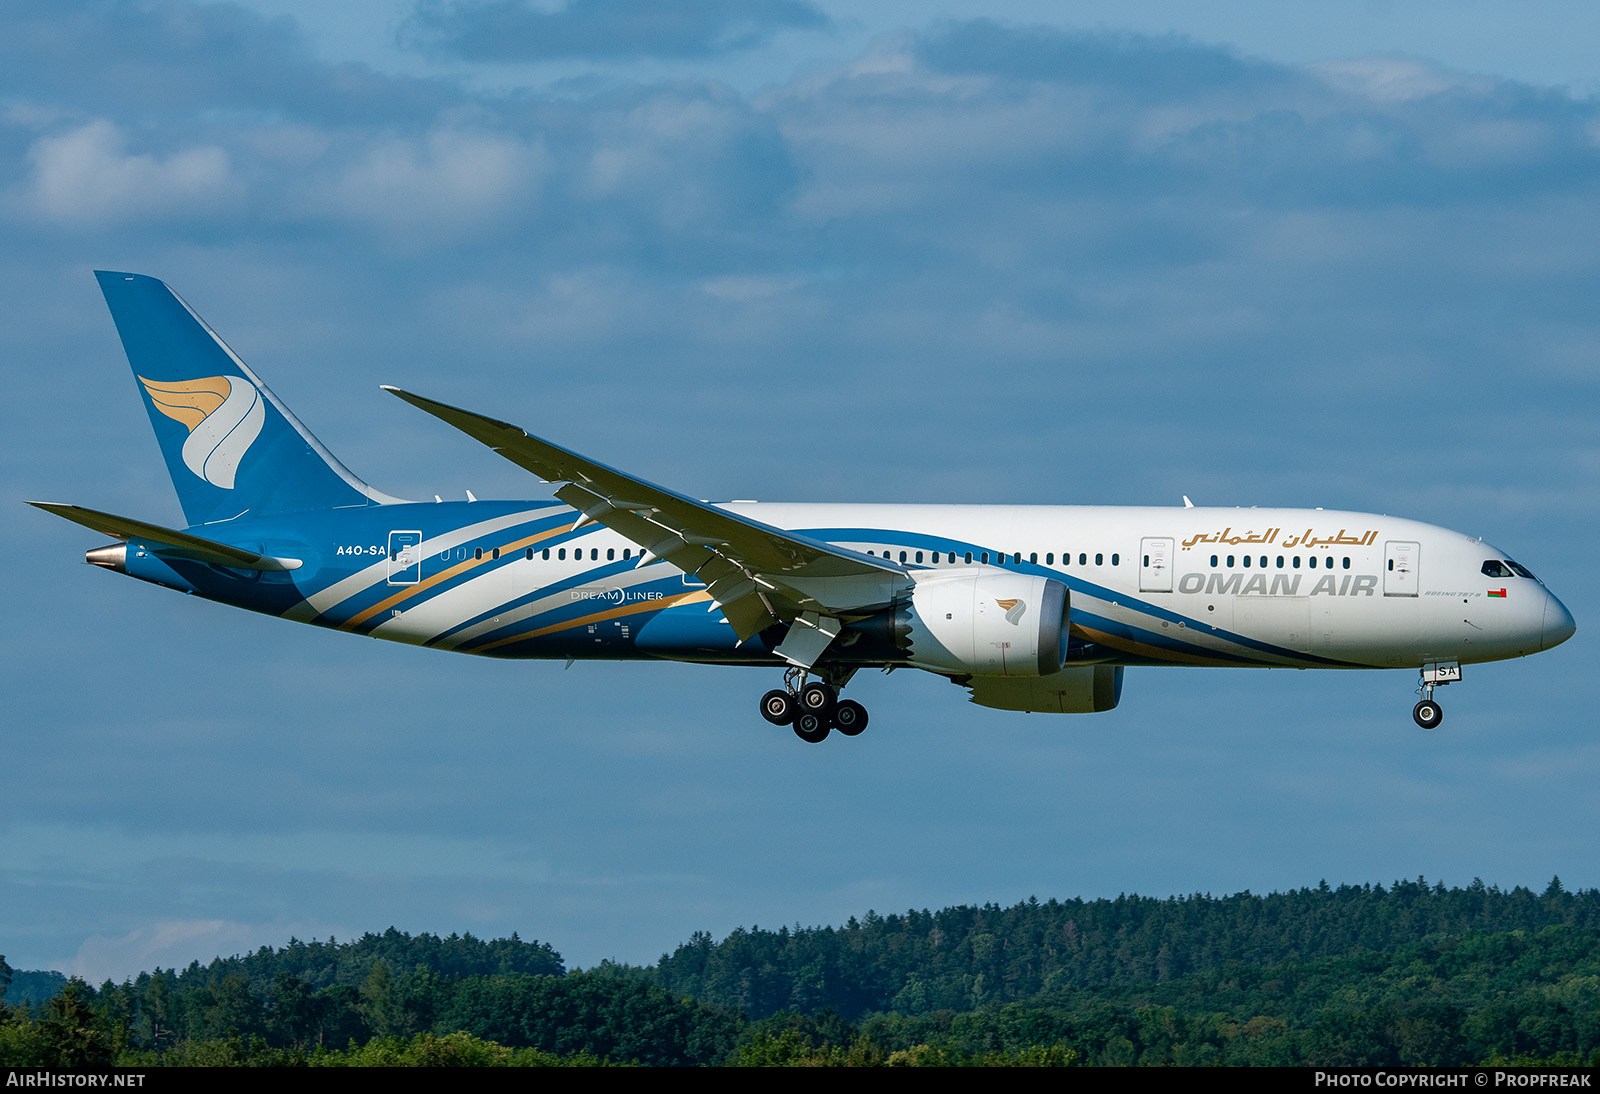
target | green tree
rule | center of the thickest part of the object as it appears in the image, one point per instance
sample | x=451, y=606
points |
x=70, y=1034
x=380, y=1003
x=159, y=1011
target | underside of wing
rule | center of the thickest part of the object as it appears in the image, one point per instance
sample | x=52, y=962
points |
x=758, y=575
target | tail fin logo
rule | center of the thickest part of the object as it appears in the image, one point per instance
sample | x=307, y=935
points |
x=1014, y=609
x=223, y=414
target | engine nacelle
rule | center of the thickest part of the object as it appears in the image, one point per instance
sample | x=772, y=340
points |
x=984, y=622
x=1076, y=689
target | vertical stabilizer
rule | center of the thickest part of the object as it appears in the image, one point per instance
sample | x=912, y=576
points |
x=231, y=447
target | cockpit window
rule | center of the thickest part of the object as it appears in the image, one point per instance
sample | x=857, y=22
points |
x=1497, y=567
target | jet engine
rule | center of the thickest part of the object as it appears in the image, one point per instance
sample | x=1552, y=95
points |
x=984, y=622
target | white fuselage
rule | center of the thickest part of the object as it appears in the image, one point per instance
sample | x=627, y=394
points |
x=1274, y=587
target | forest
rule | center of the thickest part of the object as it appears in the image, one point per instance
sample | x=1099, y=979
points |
x=1370, y=975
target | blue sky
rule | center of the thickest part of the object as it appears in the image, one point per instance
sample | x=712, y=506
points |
x=1275, y=254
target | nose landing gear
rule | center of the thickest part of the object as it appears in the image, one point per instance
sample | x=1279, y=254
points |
x=1428, y=714
x=813, y=708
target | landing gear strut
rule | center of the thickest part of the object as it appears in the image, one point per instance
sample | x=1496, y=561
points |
x=813, y=707
x=1428, y=714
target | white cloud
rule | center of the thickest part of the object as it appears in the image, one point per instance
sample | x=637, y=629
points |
x=168, y=943
x=87, y=178
x=1396, y=79
x=447, y=182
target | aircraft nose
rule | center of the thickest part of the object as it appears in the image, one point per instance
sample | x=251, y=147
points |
x=1558, y=623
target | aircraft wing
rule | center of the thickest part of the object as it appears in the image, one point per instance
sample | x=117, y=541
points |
x=758, y=575
x=168, y=542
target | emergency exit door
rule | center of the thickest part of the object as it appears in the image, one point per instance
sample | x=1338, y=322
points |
x=1400, y=568
x=1155, y=565
x=405, y=558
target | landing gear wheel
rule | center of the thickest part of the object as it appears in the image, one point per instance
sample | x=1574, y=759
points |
x=849, y=717
x=1428, y=714
x=778, y=707
x=818, y=698
x=811, y=728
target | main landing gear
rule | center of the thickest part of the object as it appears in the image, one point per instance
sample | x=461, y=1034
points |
x=813, y=707
x=1428, y=714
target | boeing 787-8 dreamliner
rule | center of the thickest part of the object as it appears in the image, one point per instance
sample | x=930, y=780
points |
x=1031, y=608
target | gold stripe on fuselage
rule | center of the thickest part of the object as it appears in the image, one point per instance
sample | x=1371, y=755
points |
x=445, y=575
x=696, y=597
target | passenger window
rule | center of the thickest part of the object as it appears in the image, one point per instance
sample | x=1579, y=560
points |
x=594, y=554
x=1346, y=562
x=1033, y=558
x=969, y=558
x=611, y=554
x=562, y=554
x=1296, y=562
x=547, y=554
x=478, y=554
x=1050, y=558
x=1246, y=562
x=985, y=558
x=627, y=553
x=1099, y=560
x=495, y=553
x=1280, y=562
x=1083, y=558
x=1230, y=561
x=1214, y=562
x=953, y=558
x=1116, y=560
x=919, y=556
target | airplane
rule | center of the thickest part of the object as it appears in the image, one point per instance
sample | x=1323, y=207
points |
x=1030, y=608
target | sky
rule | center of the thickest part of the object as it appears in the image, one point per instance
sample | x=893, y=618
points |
x=1255, y=253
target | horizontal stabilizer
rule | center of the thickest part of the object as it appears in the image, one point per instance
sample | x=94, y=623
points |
x=168, y=542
